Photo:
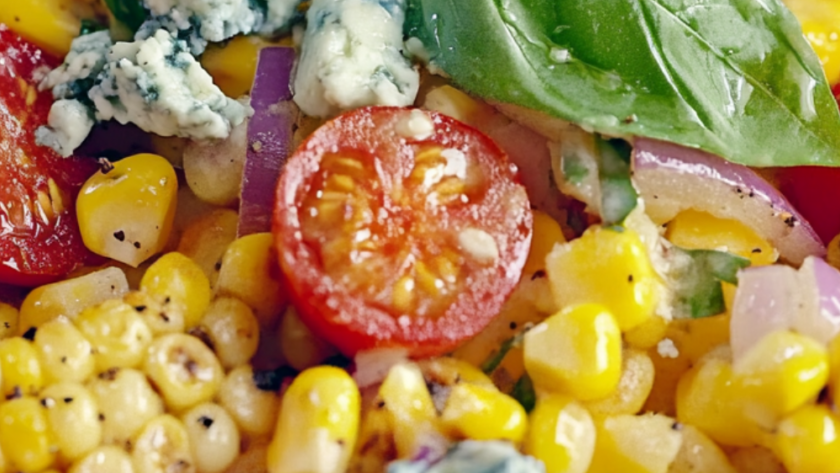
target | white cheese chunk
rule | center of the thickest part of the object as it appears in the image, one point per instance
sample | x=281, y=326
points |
x=215, y=20
x=667, y=349
x=417, y=125
x=88, y=55
x=351, y=57
x=69, y=123
x=159, y=86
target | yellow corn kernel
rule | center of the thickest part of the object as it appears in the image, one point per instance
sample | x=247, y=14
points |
x=449, y=371
x=250, y=273
x=117, y=333
x=50, y=24
x=756, y=460
x=458, y=105
x=808, y=440
x=635, y=444
x=318, y=423
x=412, y=412
x=205, y=240
x=633, y=388
x=699, y=454
x=162, y=445
x=184, y=370
x=234, y=64
x=576, y=351
x=779, y=374
x=483, y=413
x=25, y=435
x=667, y=373
x=126, y=214
x=608, y=267
x=70, y=297
x=648, y=334
x=834, y=369
x=547, y=233
x=696, y=337
x=375, y=447
x=693, y=229
x=706, y=399
x=8, y=320
x=820, y=21
x=20, y=366
x=182, y=282
x=65, y=353
x=301, y=347
x=562, y=435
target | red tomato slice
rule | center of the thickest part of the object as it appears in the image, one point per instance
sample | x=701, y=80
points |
x=389, y=240
x=39, y=236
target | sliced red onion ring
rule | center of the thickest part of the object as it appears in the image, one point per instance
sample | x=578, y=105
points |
x=778, y=297
x=672, y=178
x=270, y=133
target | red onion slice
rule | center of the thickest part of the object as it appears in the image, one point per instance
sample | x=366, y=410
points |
x=672, y=178
x=270, y=133
x=820, y=318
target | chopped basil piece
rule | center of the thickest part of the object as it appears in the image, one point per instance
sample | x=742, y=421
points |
x=697, y=275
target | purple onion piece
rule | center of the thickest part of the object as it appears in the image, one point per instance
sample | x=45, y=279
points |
x=115, y=141
x=672, y=178
x=270, y=133
x=820, y=317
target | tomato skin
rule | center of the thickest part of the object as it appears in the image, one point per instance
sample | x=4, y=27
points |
x=815, y=193
x=346, y=319
x=35, y=247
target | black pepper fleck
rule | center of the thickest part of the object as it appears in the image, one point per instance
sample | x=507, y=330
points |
x=630, y=278
x=119, y=235
x=30, y=334
x=137, y=244
x=756, y=250
x=205, y=421
x=513, y=325
x=540, y=273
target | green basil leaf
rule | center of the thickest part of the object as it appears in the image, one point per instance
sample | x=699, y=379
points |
x=89, y=26
x=618, y=196
x=523, y=391
x=733, y=77
x=697, y=277
x=129, y=12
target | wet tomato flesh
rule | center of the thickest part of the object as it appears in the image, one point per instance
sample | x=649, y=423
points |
x=394, y=238
x=39, y=236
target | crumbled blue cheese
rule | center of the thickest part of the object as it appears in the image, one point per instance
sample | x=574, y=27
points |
x=473, y=457
x=351, y=57
x=74, y=77
x=215, y=20
x=278, y=16
x=159, y=86
x=68, y=124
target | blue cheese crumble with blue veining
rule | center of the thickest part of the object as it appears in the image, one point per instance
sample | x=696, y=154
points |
x=154, y=83
x=473, y=457
x=351, y=56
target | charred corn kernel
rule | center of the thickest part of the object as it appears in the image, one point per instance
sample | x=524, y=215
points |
x=412, y=411
x=607, y=267
x=184, y=369
x=318, y=423
x=451, y=101
x=233, y=330
x=694, y=229
x=8, y=320
x=116, y=332
x=214, y=438
x=126, y=402
x=25, y=435
x=250, y=273
x=104, y=459
x=301, y=348
x=808, y=440
x=253, y=409
x=51, y=24
x=70, y=297
x=483, y=413
x=633, y=387
x=73, y=417
x=127, y=214
x=648, y=334
x=699, y=454
x=162, y=446
x=234, y=64
x=834, y=368
x=779, y=374
x=156, y=312
x=561, y=434
x=205, y=240
x=706, y=399
x=833, y=252
x=20, y=367
x=448, y=371
x=375, y=446
x=576, y=351
x=547, y=233
x=635, y=444
x=183, y=285
x=65, y=353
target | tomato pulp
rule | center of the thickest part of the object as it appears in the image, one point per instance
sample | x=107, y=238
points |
x=400, y=228
x=39, y=236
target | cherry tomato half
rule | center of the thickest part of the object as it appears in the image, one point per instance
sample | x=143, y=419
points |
x=391, y=239
x=39, y=236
